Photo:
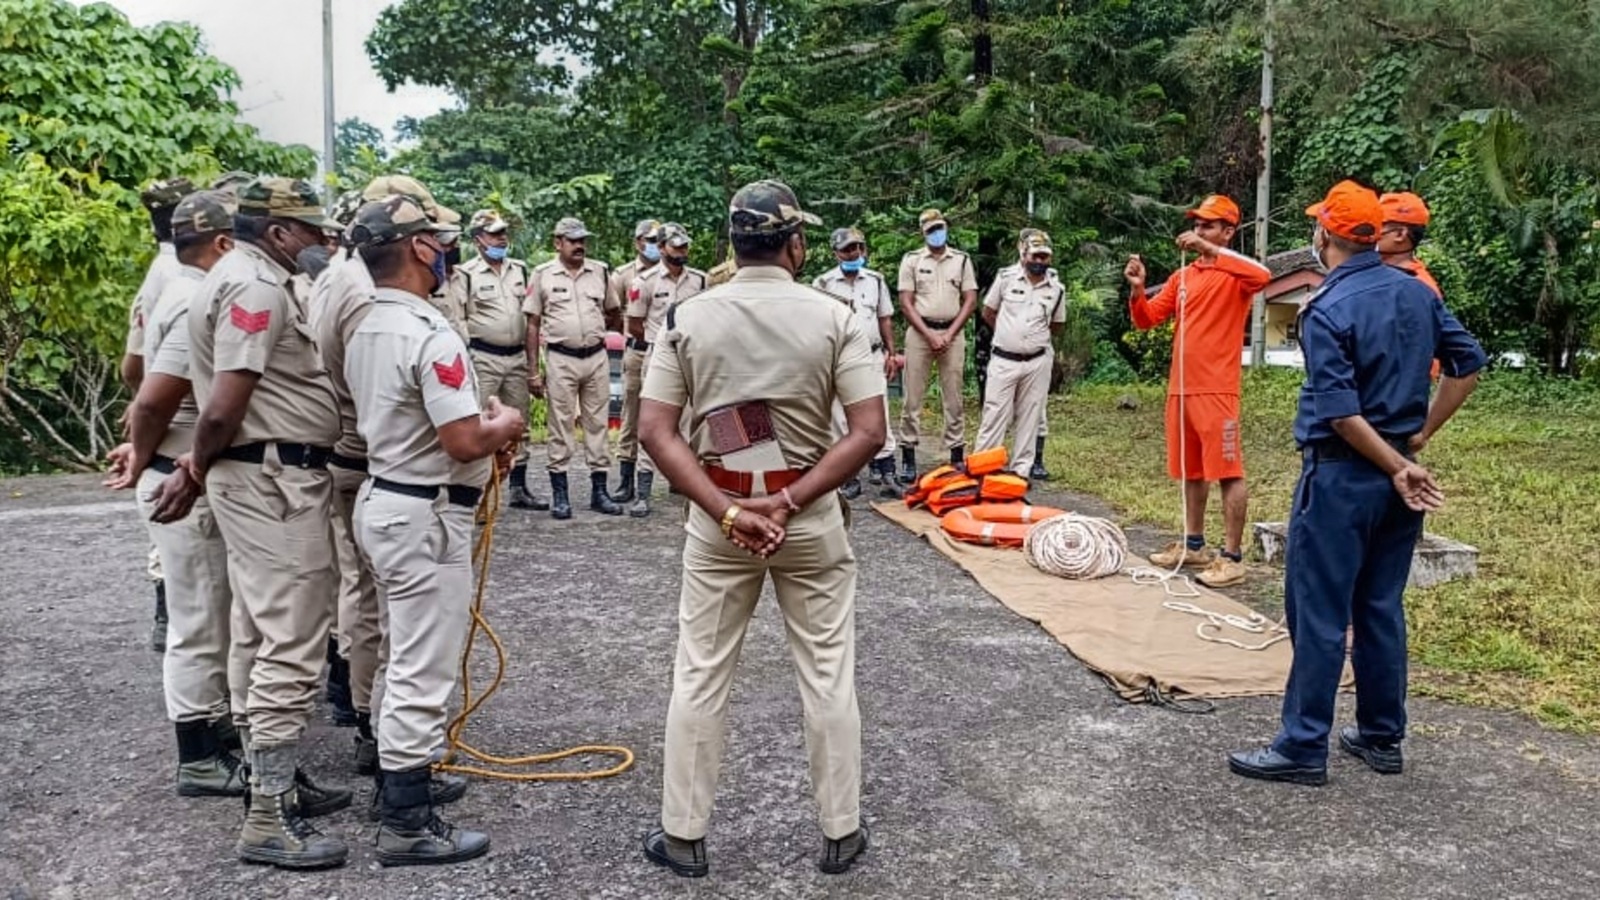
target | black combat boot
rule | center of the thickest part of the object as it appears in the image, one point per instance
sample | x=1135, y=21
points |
x=889, y=489
x=958, y=455
x=560, y=504
x=599, y=500
x=158, y=628
x=443, y=788
x=839, y=855
x=275, y=830
x=521, y=497
x=626, y=470
x=204, y=768
x=908, y=462
x=366, y=745
x=410, y=833
x=343, y=710
x=1038, y=472
x=685, y=858
x=641, y=503
x=851, y=489
x=228, y=736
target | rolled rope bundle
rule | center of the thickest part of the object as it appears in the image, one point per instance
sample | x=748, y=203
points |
x=1075, y=546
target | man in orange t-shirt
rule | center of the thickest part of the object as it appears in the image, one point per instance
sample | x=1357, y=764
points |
x=1211, y=299
x=1405, y=224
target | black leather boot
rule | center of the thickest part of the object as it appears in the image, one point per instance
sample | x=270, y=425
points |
x=851, y=489
x=410, y=833
x=560, y=503
x=521, y=497
x=599, y=500
x=158, y=628
x=888, y=488
x=1038, y=472
x=958, y=455
x=641, y=503
x=343, y=709
x=204, y=768
x=626, y=470
x=366, y=745
x=908, y=462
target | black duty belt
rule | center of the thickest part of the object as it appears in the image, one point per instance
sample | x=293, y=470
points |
x=495, y=349
x=164, y=465
x=459, y=494
x=639, y=345
x=303, y=456
x=938, y=324
x=583, y=353
x=877, y=348
x=353, y=463
x=1019, y=357
x=1334, y=449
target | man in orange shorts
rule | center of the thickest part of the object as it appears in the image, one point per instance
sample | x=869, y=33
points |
x=1405, y=224
x=1211, y=299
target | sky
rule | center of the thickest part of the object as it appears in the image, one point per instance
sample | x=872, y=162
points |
x=279, y=60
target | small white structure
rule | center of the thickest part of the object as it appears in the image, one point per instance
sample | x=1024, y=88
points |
x=1436, y=560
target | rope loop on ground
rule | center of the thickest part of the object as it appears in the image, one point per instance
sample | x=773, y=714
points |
x=1212, y=628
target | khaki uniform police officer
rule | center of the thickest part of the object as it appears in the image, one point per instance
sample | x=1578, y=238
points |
x=268, y=421
x=647, y=252
x=672, y=281
x=938, y=292
x=569, y=307
x=1038, y=472
x=428, y=459
x=761, y=360
x=1024, y=309
x=489, y=290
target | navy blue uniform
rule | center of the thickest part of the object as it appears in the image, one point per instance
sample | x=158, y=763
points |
x=1369, y=336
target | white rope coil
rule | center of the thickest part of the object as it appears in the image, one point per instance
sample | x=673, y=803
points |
x=1074, y=546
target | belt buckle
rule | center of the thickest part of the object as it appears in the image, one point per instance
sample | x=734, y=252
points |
x=305, y=455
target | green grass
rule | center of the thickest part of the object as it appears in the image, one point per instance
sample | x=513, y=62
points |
x=1520, y=467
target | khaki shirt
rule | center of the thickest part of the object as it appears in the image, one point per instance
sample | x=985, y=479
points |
x=762, y=336
x=166, y=352
x=410, y=375
x=626, y=276
x=937, y=282
x=1025, y=311
x=162, y=270
x=657, y=291
x=491, y=302
x=571, y=309
x=867, y=294
x=244, y=318
x=340, y=300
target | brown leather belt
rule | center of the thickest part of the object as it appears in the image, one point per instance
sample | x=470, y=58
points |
x=740, y=484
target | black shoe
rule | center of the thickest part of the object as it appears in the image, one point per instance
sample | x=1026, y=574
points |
x=958, y=455
x=641, y=501
x=839, y=855
x=443, y=788
x=883, y=469
x=908, y=465
x=560, y=503
x=851, y=489
x=411, y=833
x=343, y=710
x=625, y=473
x=366, y=745
x=227, y=733
x=1268, y=764
x=599, y=500
x=158, y=628
x=1038, y=472
x=1385, y=759
x=521, y=497
x=314, y=800
x=685, y=858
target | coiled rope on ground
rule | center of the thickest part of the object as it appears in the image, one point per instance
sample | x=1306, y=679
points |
x=1076, y=546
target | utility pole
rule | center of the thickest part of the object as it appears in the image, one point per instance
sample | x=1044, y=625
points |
x=988, y=241
x=1258, y=311
x=328, y=148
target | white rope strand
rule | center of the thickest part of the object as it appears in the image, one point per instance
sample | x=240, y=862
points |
x=1215, y=622
x=1074, y=546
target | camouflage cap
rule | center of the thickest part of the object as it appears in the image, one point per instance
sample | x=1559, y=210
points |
x=931, y=219
x=344, y=208
x=844, y=237
x=232, y=181
x=203, y=212
x=406, y=186
x=165, y=194
x=674, y=235
x=487, y=221
x=572, y=229
x=283, y=198
x=1036, y=243
x=766, y=207
x=393, y=218
x=646, y=228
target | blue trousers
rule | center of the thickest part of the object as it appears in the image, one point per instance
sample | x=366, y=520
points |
x=1351, y=539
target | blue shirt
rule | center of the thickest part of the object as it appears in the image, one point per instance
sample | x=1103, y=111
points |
x=1369, y=335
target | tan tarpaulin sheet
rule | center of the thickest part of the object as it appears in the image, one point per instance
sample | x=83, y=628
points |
x=1115, y=627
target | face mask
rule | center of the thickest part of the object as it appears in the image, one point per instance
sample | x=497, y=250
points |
x=652, y=252
x=1316, y=252
x=452, y=258
x=312, y=260
x=1038, y=268
x=853, y=265
x=439, y=271
x=676, y=262
x=937, y=238
x=494, y=254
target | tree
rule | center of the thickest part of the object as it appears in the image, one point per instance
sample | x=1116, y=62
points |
x=359, y=152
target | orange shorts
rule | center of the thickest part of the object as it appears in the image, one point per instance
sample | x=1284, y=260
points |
x=1204, y=444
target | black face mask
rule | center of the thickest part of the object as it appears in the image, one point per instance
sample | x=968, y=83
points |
x=1038, y=268
x=312, y=260
x=676, y=262
x=452, y=258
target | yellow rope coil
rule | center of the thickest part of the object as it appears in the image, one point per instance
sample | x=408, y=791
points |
x=488, y=512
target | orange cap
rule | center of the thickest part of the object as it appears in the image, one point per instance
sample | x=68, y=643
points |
x=1349, y=211
x=1216, y=208
x=1405, y=208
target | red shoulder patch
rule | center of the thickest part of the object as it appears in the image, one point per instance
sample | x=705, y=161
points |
x=452, y=376
x=247, y=321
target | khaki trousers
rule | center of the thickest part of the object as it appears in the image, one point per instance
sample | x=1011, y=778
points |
x=358, y=614
x=194, y=670
x=920, y=360
x=275, y=520
x=578, y=389
x=814, y=576
x=421, y=555
x=152, y=563
x=841, y=425
x=632, y=384
x=1016, y=395
x=505, y=377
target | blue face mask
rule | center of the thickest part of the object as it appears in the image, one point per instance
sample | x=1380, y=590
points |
x=439, y=277
x=937, y=237
x=853, y=265
x=652, y=252
x=494, y=254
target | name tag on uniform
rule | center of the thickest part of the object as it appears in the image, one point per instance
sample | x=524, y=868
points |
x=743, y=436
